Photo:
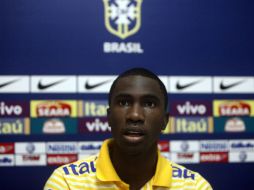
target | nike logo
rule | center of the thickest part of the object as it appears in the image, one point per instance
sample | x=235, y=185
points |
x=45, y=86
x=183, y=86
x=225, y=87
x=89, y=86
x=8, y=83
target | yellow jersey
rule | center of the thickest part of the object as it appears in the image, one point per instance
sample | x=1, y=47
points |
x=97, y=172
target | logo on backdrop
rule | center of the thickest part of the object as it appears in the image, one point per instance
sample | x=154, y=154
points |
x=2, y=85
x=123, y=19
x=14, y=126
x=224, y=86
x=53, y=108
x=14, y=109
x=190, y=108
x=190, y=125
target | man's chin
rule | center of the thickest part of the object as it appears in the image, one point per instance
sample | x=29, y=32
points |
x=131, y=149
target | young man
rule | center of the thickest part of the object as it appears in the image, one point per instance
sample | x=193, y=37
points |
x=130, y=160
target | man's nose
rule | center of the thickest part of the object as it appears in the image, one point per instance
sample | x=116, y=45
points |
x=135, y=113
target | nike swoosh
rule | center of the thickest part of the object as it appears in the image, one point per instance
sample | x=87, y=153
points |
x=8, y=83
x=181, y=87
x=225, y=87
x=45, y=86
x=89, y=86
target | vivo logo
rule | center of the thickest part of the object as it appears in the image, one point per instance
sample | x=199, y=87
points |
x=189, y=109
x=97, y=126
x=10, y=109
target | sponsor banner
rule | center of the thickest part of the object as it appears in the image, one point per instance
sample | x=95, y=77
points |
x=189, y=125
x=53, y=84
x=234, y=124
x=7, y=148
x=214, y=146
x=241, y=145
x=30, y=148
x=14, y=84
x=89, y=147
x=14, y=109
x=242, y=156
x=184, y=146
x=190, y=84
x=233, y=85
x=6, y=159
x=14, y=126
x=233, y=108
x=62, y=148
x=210, y=157
x=95, y=84
x=93, y=125
x=53, y=108
x=190, y=108
x=54, y=126
x=93, y=108
x=186, y=158
x=164, y=146
x=30, y=160
x=61, y=159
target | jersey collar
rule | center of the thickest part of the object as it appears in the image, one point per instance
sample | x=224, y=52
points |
x=106, y=172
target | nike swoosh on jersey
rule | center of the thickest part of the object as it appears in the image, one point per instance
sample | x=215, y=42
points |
x=8, y=83
x=45, y=86
x=181, y=86
x=225, y=87
x=89, y=86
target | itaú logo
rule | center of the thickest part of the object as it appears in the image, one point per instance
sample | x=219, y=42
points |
x=122, y=17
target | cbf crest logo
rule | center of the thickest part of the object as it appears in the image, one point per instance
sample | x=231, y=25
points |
x=122, y=17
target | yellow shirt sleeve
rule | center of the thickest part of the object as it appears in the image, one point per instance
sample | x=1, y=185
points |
x=56, y=181
x=202, y=184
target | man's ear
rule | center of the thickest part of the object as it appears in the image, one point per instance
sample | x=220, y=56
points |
x=166, y=118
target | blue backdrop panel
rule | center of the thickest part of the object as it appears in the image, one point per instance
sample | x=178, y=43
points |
x=177, y=37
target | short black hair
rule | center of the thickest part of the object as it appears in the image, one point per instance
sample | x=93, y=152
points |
x=138, y=71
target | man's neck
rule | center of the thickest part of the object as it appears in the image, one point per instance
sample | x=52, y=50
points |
x=135, y=170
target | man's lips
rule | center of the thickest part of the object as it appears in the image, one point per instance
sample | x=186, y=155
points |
x=133, y=133
x=133, y=136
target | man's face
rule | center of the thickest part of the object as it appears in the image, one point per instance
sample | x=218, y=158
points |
x=136, y=114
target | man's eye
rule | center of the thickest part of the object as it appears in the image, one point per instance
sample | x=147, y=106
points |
x=124, y=103
x=149, y=104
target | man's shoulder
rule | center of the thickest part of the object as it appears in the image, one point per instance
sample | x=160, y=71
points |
x=79, y=167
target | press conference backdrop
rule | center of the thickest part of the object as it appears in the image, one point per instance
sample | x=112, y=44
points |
x=59, y=58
